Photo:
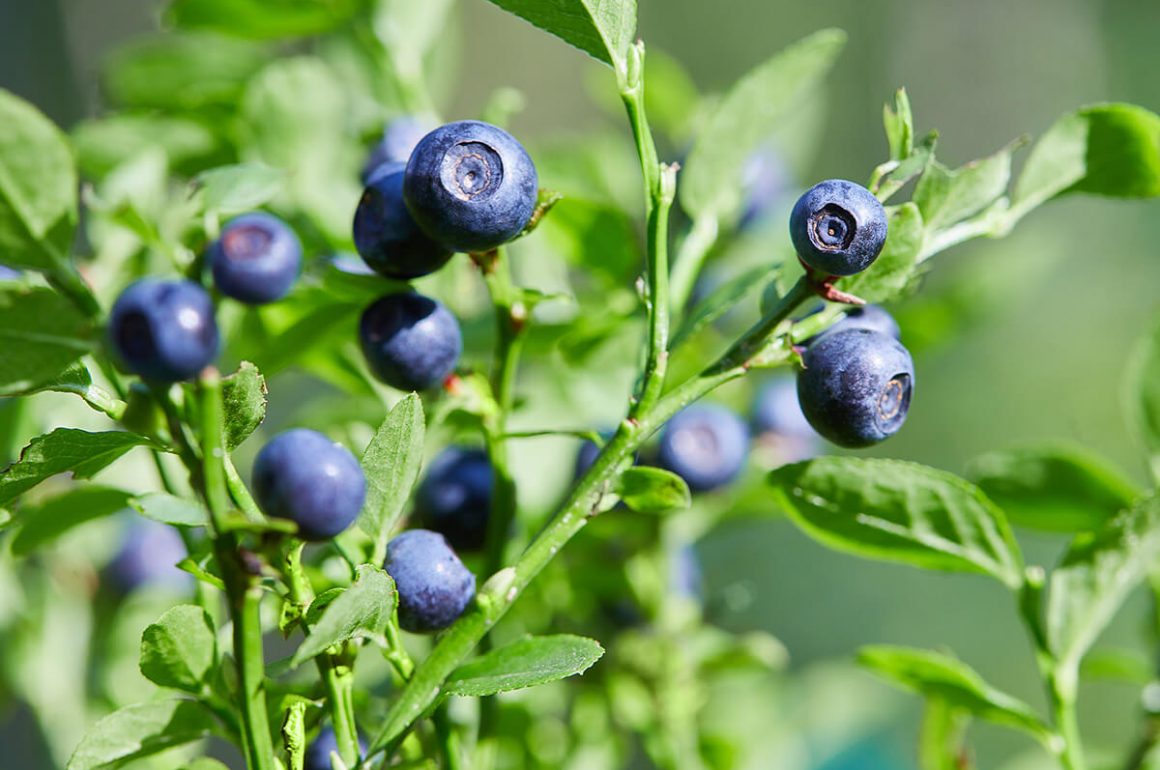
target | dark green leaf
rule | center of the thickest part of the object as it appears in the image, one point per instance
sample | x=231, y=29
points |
x=38, y=188
x=391, y=464
x=41, y=333
x=230, y=190
x=361, y=611
x=941, y=676
x=899, y=124
x=710, y=182
x=526, y=663
x=947, y=196
x=603, y=29
x=181, y=72
x=1095, y=577
x=65, y=449
x=169, y=509
x=723, y=299
x=180, y=649
x=264, y=19
x=244, y=396
x=1105, y=149
x=1142, y=404
x=1056, y=489
x=892, y=272
x=50, y=519
x=652, y=490
x=899, y=511
x=141, y=730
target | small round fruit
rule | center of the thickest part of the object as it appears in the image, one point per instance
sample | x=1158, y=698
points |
x=776, y=410
x=470, y=185
x=256, y=260
x=386, y=236
x=148, y=557
x=163, y=330
x=434, y=587
x=872, y=317
x=410, y=342
x=303, y=476
x=706, y=445
x=317, y=755
x=838, y=227
x=856, y=386
x=398, y=141
x=454, y=499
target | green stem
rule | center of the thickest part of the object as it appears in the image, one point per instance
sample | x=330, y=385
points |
x=502, y=589
x=449, y=744
x=690, y=258
x=243, y=590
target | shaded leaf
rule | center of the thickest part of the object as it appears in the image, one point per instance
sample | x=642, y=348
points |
x=363, y=610
x=230, y=190
x=169, y=509
x=64, y=449
x=1142, y=395
x=604, y=29
x=892, y=272
x=899, y=511
x=526, y=663
x=264, y=19
x=52, y=518
x=652, y=490
x=180, y=649
x=41, y=333
x=947, y=196
x=723, y=299
x=140, y=730
x=1056, y=489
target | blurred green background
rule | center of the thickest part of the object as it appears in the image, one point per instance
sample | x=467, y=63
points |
x=1045, y=318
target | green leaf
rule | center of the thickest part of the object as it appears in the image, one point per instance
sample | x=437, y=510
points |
x=264, y=19
x=746, y=116
x=169, y=509
x=41, y=333
x=1142, y=396
x=892, y=273
x=181, y=71
x=1105, y=149
x=391, y=464
x=108, y=142
x=38, y=188
x=140, y=730
x=652, y=490
x=1095, y=577
x=409, y=30
x=948, y=196
x=899, y=511
x=940, y=742
x=899, y=124
x=180, y=649
x=526, y=663
x=363, y=611
x=596, y=237
x=230, y=190
x=603, y=29
x=724, y=298
x=1053, y=488
x=65, y=449
x=45, y=522
x=244, y=397
x=936, y=675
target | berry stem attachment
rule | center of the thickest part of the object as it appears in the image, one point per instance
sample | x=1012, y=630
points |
x=823, y=286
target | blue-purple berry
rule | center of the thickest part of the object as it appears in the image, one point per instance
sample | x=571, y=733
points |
x=400, y=136
x=454, y=498
x=706, y=445
x=163, y=330
x=433, y=585
x=838, y=227
x=317, y=755
x=386, y=235
x=256, y=259
x=148, y=557
x=410, y=342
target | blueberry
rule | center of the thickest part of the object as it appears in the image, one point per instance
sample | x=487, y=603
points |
x=786, y=435
x=454, y=498
x=838, y=227
x=434, y=587
x=163, y=330
x=148, y=556
x=303, y=476
x=411, y=342
x=856, y=386
x=706, y=445
x=470, y=185
x=317, y=755
x=585, y=457
x=9, y=273
x=399, y=139
x=685, y=578
x=386, y=236
x=257, y=258
x=872, y=317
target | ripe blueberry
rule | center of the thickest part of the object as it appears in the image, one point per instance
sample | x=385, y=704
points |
x=856, y=386
x=410, y=342
x=838, y=227
x=257, y=258
x=786, y=435
x=470, y=185
x=872, y=317
x=163, y=330
x=303, y=476
x=706, y=445
x=398, y=141
x=434, y=587
x=454, y=498
x=148, y=556
x=317, y=755
x=386, y=236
